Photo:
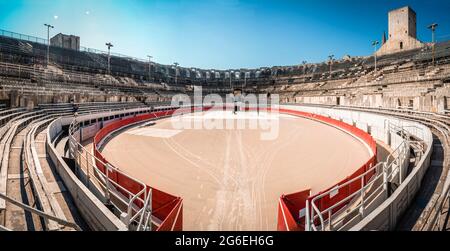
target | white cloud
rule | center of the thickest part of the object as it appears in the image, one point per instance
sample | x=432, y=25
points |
x=55, y=17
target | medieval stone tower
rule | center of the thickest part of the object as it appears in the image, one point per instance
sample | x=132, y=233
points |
x=402, y=32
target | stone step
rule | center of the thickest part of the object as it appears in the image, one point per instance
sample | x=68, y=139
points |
x=17, y=176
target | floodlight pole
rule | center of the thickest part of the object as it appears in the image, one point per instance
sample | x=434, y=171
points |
x=433, y=27
x=109, y=57
x=48, y=41
x=149, y=67
x=375, y=44
x=176, y=75
x=245, y=80
x=231, y=87
x=331, y=57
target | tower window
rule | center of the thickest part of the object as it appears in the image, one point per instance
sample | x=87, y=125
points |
x=401, y=45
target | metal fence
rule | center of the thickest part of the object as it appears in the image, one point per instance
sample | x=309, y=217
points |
x=28, y=38
x=126, y=202
x=389, y=174
x=38, y=40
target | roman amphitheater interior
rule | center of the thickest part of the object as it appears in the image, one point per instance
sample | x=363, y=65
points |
x=409, y=81
x=403, y=80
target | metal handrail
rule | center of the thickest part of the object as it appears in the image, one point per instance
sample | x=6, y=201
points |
x=441, y=124
x=130, y=205
x=148, y=204
x=40, y=213
x=110, y=186
x=106, y=182
x=348, y=198
x=387, y=164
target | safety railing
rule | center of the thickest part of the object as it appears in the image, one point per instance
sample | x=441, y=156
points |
x=291, y=219
x=140, y=206
x=347, y=203
x=37, y=212
x=24, y=37
x=370, y=185
x=43, y=41
x=388, y=212
x=408, y=131
x=121, y=198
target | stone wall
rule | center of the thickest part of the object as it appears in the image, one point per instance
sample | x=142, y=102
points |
x=434, y=101
x=17, y=99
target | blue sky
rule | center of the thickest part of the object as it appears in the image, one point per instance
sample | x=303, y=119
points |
x=223, y=34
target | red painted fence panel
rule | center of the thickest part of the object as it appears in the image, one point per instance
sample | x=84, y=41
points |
x=327, y=201
x=166, y=207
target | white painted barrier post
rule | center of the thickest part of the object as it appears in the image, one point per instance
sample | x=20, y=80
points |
x=107, y=167
x=385, y=179
x=307, y=219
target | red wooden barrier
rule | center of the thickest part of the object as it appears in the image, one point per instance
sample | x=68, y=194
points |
x=327, y=201
x=289, y=207
x=166, y=207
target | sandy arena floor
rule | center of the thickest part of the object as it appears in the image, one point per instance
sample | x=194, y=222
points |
x=230, y=179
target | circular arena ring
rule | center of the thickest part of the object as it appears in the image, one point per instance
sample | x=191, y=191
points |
x=225, y=185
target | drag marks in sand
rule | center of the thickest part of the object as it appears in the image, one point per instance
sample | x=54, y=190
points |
x=154, y=132
x=230, y=179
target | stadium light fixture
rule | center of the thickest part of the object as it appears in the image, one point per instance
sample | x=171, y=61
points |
x=231, y=73
x=375, y=45
x=433, y=27
x=331, y=58
x=109, y=45
x=176, y=75
x=48, y=41
x=245, y=79
x=149, y=67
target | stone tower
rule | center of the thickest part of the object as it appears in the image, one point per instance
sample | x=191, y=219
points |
x=402, y=32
